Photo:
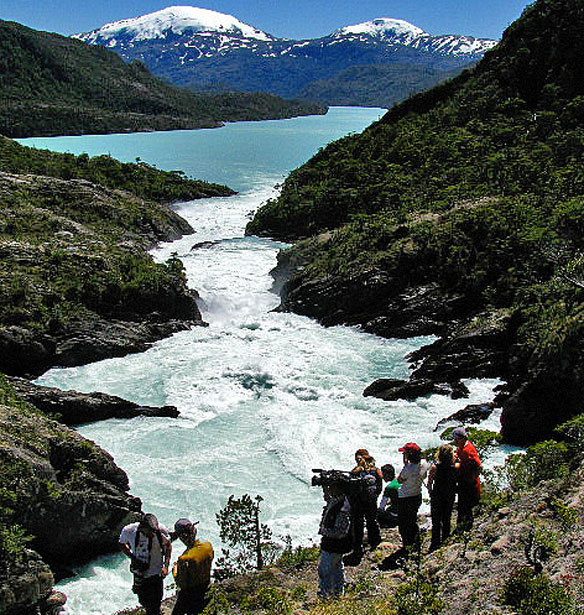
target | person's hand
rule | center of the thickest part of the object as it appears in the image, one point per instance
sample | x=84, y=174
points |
x=164, y=571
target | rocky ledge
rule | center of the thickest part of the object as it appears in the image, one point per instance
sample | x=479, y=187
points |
x=74, y=408
x=63, y=492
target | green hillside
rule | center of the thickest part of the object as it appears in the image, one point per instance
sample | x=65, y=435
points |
x=50, y=85
x=476, y=186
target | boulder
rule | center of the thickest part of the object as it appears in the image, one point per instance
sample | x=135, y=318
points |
x=391, y=389
x=473, y=413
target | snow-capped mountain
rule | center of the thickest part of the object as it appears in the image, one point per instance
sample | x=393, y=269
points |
x=204, y=49
x=176, y=20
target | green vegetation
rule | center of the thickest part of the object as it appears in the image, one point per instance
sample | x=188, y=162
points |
x=534, y=594
x=240, y=528
x=477, y=185
x=138, y=178
x=376, y=85
x=54, y=85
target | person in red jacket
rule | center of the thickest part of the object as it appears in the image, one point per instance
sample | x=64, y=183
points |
x=468, y=467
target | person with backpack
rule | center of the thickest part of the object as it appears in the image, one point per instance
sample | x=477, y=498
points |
x=192, y=570
x=442, y=490
x=335, y=529
x=365, y=505
x=147, y=544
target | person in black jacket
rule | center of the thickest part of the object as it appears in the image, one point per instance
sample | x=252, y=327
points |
x=335, y=529
x=442, y=489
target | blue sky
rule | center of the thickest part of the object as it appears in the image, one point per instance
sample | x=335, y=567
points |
x=285, y=18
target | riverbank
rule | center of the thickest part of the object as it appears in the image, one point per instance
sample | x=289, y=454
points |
x=524, y=552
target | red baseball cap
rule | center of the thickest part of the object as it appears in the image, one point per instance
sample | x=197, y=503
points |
x=410, y=447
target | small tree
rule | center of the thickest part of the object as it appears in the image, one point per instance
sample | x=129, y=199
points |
x=240, y=528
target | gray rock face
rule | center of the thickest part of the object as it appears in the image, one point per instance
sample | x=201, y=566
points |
x=63, y=491
x=24, y=583
x=74, y=408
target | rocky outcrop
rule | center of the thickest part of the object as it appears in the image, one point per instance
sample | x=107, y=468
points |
x=390, y=389
x=473, y=413
x=63, y=491
x=78, y=283
x=74, y=408
x=24, y=581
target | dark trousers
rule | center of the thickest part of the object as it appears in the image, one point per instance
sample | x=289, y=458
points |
x=149, y=592
x=441, y=511
x=365, y=513
x=467, y=499
x=190, y=601
x=408, y=519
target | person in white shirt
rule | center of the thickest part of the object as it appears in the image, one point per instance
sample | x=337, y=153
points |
x=147, y=544
x=410, y=493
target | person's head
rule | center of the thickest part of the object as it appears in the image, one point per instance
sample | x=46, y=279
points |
x=388, y=472
x=459, y=436
x=412, y=452
x=360, y=454
x=445, y=455
x=186, y=531
x=149, y=524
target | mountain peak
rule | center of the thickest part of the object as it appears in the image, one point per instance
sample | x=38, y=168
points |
x=384, y=28
x=175, y=20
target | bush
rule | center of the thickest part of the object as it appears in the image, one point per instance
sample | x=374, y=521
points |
x=534, y=594
x=542, y=461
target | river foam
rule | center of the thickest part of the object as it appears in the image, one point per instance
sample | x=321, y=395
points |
x=264, y=397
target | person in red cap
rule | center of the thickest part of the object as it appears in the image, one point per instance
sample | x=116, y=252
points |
x=410, y=493
x=468, y=467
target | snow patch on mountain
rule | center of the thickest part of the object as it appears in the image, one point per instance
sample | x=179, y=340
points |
x=384, y=28
x=176, y=20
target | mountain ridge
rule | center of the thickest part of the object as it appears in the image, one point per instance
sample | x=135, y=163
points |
x=53, y=85
x=211, y=56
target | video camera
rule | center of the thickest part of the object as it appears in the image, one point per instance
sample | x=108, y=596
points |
x=348, y=483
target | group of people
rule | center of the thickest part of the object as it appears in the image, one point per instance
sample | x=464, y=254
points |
x=350, y=507
x=148, y=544
x=455, y=470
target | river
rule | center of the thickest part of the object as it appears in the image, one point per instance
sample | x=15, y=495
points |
x=264, y=397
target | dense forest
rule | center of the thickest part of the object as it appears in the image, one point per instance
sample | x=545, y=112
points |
x=478, y=186
x=53, y=85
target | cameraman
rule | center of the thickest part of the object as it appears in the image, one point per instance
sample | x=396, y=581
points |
x=147, y=544
x=335, y=526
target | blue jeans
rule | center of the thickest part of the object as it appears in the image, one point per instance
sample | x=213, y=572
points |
x=331, y=574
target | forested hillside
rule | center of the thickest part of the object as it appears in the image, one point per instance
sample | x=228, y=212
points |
x=52, y=85
x=473, y=193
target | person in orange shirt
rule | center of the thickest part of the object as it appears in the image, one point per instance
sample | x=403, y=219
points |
x=192, y=570
x=468, y=467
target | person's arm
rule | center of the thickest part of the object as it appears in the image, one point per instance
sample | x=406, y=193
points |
x=431, y=474
x=166, y=556
x=382, y=503
x=125, y=547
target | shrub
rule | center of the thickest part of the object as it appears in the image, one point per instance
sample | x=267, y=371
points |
x=417, y=598
x=542, y=461
x=534, y=594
